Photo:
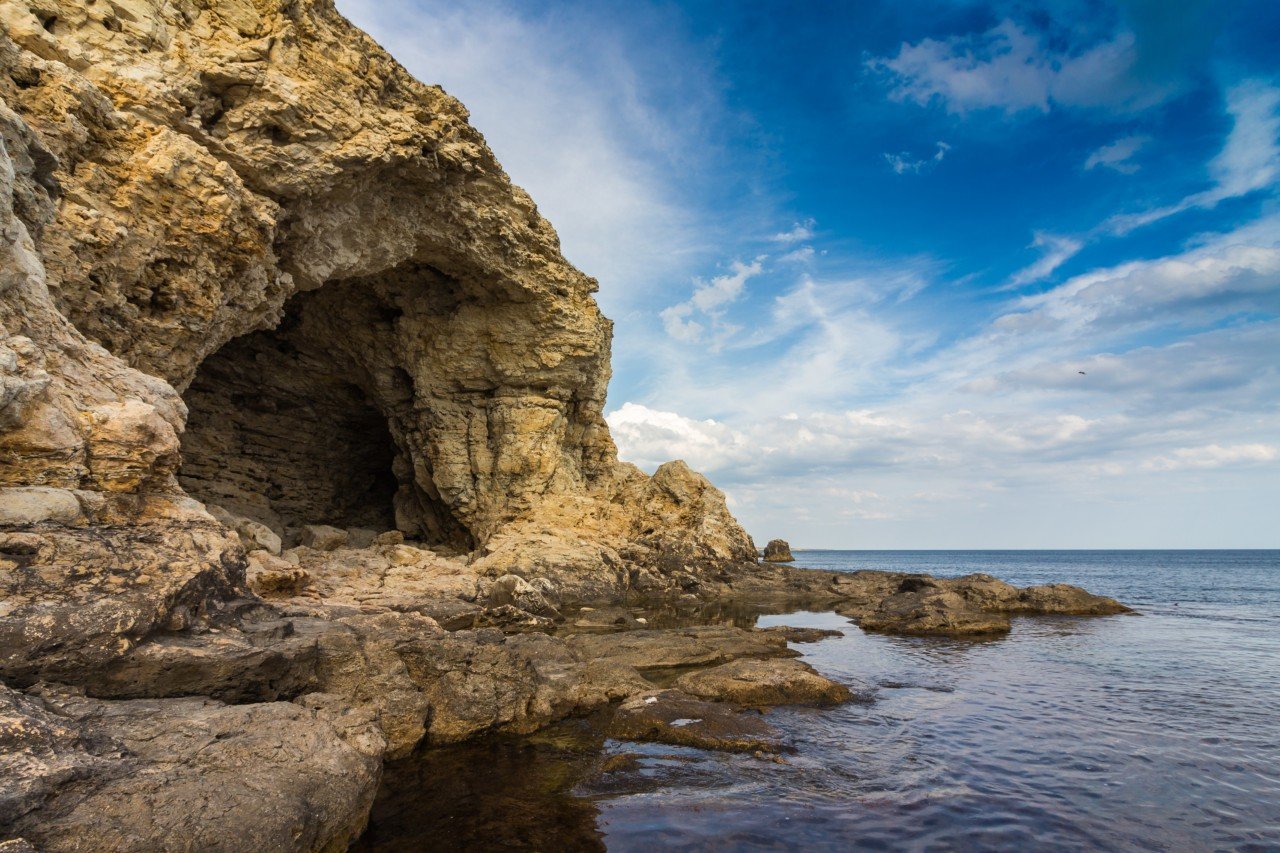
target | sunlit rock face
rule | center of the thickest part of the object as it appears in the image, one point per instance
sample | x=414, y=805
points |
x=251, y=264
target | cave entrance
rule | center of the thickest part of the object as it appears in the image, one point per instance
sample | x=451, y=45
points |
x=282, y=429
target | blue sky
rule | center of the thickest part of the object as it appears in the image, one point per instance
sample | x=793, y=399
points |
x=912, y=274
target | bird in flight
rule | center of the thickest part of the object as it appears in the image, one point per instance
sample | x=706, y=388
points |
x=1081, y=372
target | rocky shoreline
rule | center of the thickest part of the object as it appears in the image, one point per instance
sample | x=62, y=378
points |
x=303, y=463
x=314, y=694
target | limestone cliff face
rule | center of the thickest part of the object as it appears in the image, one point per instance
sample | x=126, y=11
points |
x=248, y=259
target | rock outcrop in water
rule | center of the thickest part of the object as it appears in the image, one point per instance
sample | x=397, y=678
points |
x=302, y=455
x=778, y=551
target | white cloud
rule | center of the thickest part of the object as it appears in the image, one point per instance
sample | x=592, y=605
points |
x=653, y=437
x=904, y=163
x=708, y=302
x=798, y=233
x=802, y=255
x=1052, y=399
x=1010, y=69
x=1248, y=162
x=1230, y=273
x=1214, y=456
x=578, y=117
x=1056, y=251
x=1118, y=156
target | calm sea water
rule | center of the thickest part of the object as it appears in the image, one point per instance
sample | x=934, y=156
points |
x=1156, y=731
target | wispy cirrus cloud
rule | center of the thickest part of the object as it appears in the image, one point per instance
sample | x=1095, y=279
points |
x=1057, y=390
x=903, y=163
x=583, y=113
x=1117, y=156
x=1055, y=250
x=1248, y=162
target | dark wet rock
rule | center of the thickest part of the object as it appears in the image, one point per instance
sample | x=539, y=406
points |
x=974, y=604
x=606, y=619
x=75, y=599
x=931, y=611
x=916, y=583
x=84, y=774
x=801, y=635
x=1068, y=600
x=17, y=845
x=511, y=619
x=762, y=683
x=778, y=551
x=670, y=716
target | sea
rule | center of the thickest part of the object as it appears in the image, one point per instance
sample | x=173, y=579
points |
x=1158, y=730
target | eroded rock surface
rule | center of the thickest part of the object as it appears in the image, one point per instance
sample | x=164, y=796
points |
x=670, y=716
x=302, y=454
x=165, y=774
x=761, y=683
x=778, y=551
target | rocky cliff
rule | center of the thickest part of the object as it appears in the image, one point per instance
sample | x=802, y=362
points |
x=251, y=261
x=302, y=455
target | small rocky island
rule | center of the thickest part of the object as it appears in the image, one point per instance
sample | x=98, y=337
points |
x=778, y=551
x=302, y=458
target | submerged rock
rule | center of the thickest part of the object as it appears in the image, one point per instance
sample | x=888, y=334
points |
x=802, y=635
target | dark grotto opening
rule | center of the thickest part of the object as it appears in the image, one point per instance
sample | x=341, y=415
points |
x=282, y=429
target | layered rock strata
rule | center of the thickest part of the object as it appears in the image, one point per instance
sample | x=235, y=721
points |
x=302, y=455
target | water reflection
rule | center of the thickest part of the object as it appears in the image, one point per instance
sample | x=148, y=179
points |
x=1151, y=732
x=495, y=794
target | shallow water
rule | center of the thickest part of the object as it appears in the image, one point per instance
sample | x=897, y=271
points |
x=1155, y=731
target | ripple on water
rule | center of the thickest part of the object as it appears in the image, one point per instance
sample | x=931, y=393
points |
x=1150, y=732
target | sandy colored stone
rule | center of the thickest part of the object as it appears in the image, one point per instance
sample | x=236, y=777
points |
x=322, y=537
x=679, y=647
x=34, y=504
x=270, y=575
x=760, y=683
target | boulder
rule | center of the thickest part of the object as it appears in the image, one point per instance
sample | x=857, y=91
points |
x=1067, y=600
x=931, y=610
x=322, y=537
x=35, y=504
x=271, y=575
x=512, y=590
x=256, y=535
x=778, y=551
